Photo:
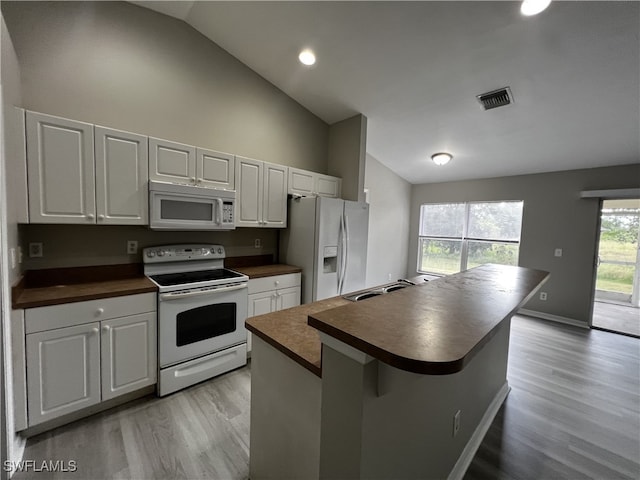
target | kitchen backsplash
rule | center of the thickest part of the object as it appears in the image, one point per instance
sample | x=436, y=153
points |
x=83, y=245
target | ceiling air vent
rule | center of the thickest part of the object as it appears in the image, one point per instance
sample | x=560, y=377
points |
x=496, y=98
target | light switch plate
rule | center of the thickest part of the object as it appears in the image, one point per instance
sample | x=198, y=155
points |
x=557, y=252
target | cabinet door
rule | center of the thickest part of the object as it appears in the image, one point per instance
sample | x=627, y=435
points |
x=122, y=166
x=327, y=186
x=301, y=182
x=171, y=162
x=249, y=188
x=289, y=297
x=215, y=169
x=60, y=166
x=63, y=371
x=128, y=354
x=259, y=304
x=274, y=209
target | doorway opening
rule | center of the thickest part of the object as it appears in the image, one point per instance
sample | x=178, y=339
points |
x=617, y=298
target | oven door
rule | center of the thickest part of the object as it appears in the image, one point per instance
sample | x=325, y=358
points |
x=195, y=323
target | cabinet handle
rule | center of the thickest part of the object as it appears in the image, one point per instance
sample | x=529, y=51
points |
x=277, y=282
x=90, y=216
x=100, y=217
x=199, y=180
x=106, y=328
x=100, y=311
x=95, y=330
x=193, y=179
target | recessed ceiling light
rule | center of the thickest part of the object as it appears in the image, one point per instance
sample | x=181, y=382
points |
x=533, y=7
x=307, y=57
x=441, y=158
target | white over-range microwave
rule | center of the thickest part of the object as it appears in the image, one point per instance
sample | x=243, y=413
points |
x=174, y=206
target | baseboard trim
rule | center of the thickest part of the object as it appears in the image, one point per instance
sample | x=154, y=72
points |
x=553, y=318
x=470, y=449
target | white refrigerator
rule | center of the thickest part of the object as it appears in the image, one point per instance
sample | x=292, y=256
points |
x=327, y=238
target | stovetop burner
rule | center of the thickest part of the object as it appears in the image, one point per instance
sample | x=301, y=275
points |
x=172, y=279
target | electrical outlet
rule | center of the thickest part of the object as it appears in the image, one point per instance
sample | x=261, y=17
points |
x=543, y=296
x=456, y=423
x=257, y=243
x=12, y=252
x=36, y=249
x=132, y=247
x=557, y=252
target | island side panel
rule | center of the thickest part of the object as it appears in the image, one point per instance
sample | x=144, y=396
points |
x=405, y=420
x=285, y=416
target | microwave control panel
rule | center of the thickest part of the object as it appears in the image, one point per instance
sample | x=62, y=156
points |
x=227, y=212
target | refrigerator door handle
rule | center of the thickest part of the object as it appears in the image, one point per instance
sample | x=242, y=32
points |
x=342, y=254
x=346, y=250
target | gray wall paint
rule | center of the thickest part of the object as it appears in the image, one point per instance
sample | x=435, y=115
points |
x=127, y=67
x=83, y=245
x=346, y=155
x=389, y=205
x=554, y=217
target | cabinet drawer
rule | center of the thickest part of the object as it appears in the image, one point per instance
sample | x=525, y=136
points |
x=69, y=314
x=257, y=285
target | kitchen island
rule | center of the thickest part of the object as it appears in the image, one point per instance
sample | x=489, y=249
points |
x=400, y=385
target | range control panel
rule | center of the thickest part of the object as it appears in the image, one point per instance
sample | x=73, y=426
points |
x=181, y=253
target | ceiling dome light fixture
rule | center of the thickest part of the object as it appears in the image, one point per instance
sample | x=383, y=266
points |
x=533, y=7
x=307, y=57
x=441, y=158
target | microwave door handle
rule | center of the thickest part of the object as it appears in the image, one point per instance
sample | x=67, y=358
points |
x=197, y=293
x=219, y=212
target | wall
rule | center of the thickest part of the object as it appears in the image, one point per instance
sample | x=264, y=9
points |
x=127, y=67
x=11, y=179
x=81, y=245
x=346, y=155
x=389, y=205
x=554, y=216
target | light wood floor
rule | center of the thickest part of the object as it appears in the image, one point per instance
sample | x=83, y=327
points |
x=573, y=413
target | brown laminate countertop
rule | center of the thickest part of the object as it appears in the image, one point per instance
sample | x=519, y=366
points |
x=435, y=328
x=68, y=285
x=267, y=270
x=288, y=331
x=432, y=328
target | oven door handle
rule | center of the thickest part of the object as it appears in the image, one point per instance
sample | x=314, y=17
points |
x=197, y=293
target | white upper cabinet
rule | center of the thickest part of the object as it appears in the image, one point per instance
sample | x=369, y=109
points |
x=215, y=169
x=60, y=165
x=179, y=163
x=274, y=209
x=70, y=181
x=306, y=183
x=171, y=162
x=261, y=194
x=121, y=177
x=328, y=186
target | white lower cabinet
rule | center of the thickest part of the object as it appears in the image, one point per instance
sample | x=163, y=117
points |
x=63, y=371
x=93, y=351
x=271, y=294
x=128, y=353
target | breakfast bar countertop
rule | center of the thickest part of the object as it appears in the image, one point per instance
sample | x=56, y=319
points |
x=433, y=328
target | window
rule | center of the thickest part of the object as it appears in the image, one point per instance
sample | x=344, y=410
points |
x=458, y=236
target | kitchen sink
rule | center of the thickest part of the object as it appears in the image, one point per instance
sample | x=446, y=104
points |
x=374, y=292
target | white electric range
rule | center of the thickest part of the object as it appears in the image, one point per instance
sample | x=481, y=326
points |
x=202, y=307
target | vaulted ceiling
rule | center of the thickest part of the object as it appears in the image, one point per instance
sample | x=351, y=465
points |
x=414, y=70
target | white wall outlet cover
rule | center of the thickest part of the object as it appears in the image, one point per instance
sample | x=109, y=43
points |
x=36, y=249
x=543, y=295
x=132, y=247
x=257, y=243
